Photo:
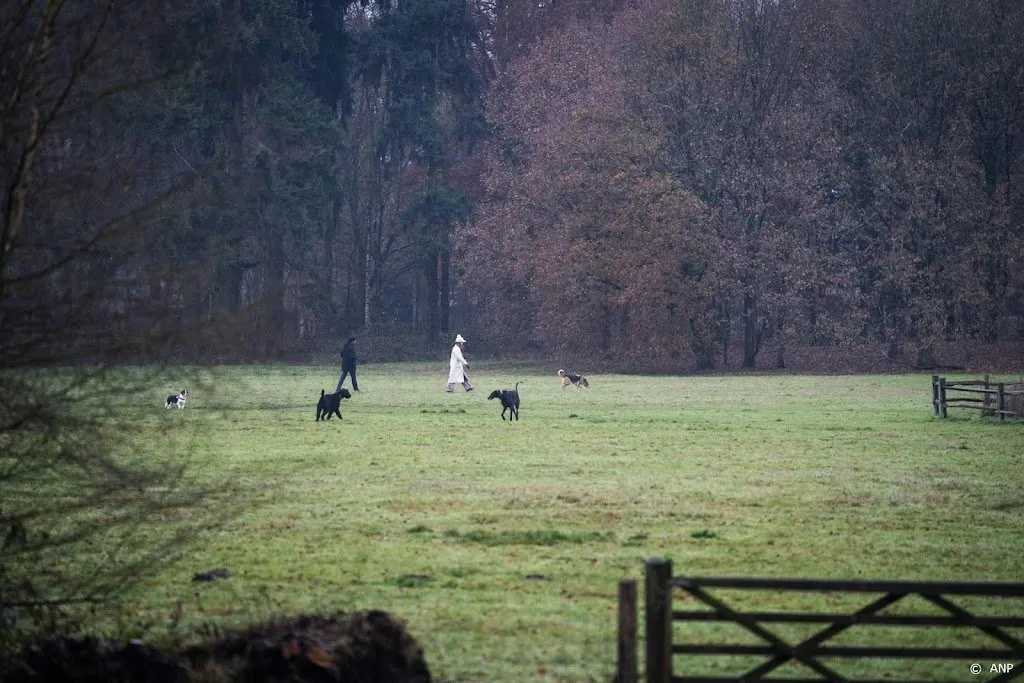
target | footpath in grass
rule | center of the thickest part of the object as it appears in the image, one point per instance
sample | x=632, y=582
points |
x=501, y=544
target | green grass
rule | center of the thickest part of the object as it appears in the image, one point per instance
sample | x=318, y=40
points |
x=502, y=544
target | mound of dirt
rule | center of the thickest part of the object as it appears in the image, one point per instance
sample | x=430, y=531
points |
x=363, y=647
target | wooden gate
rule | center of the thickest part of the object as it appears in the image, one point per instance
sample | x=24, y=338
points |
x=1002, y=661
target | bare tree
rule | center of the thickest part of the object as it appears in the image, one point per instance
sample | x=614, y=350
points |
x=77, y=200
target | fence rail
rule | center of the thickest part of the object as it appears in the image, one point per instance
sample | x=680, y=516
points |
x=776, y=651
x=998, y=399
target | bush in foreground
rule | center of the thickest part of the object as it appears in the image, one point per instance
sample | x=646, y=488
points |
x=362, y=647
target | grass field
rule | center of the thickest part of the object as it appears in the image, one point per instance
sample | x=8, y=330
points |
x=501, y=545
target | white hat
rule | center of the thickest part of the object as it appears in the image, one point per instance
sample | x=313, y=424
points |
x=459, y=339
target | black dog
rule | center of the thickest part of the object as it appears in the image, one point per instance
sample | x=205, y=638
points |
x=509, y=401
x=330, y=404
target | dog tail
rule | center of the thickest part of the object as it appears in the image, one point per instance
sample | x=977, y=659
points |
x=517, y=385
x=321, y=393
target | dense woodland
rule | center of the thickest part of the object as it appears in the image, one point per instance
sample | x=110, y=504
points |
x=659, y=184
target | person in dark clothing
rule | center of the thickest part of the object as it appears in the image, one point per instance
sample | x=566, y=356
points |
x=348, y=364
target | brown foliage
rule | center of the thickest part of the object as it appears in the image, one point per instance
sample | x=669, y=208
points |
x=688, y=173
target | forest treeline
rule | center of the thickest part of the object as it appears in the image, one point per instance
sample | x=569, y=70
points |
x=661, y=184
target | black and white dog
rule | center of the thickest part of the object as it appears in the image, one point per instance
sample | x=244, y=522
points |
x=509, y=401
x=177, y=401
x=330, y=404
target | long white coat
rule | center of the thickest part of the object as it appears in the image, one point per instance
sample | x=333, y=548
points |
x=457, y=366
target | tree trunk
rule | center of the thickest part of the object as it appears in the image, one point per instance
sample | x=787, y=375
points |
x=227, y=288
x=222, y=307
x=417, y=302
x=725, y=321
x=324, y=320
x=357, y=268
x=445, y=293
x=703, y=351
x=274, y=324
x=433, y=296
x=752, y=331
x=367, y=293
x=780, y=352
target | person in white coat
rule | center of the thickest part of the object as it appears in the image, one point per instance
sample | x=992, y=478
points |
x=457, y=367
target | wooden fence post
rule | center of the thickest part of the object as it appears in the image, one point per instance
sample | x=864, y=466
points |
x=658, y=610
x=1001, y=388
x=627, y=669
x=942, y=397
x=935, y=395
x=986, y=400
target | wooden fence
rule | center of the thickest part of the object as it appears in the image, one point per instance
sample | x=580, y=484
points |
x=995, y=399
x=990, y=664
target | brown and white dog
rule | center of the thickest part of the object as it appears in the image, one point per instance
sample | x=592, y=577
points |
x=569, y=378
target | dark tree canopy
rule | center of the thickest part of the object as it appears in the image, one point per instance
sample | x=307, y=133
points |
x=732, y=176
